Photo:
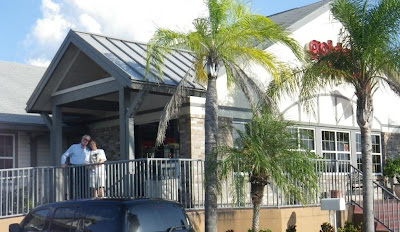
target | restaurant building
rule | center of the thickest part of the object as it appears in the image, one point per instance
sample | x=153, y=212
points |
x=96, y=85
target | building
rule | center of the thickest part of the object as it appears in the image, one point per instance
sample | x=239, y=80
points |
x=24, y=138
x=93, y=78
x=95, y=84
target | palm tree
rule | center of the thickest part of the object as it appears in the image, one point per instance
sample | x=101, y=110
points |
x=226, y=38
x=268, y=152
x=368, y=57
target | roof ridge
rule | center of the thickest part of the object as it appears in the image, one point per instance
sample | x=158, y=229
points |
x=110, y=37
x=296, y=8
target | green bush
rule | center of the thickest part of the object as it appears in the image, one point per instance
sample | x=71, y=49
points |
x=327, y=227
x=349, y=227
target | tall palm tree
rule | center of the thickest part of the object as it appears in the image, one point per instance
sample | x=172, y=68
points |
x=227, y=38
x=268, y=153
x=369, y=57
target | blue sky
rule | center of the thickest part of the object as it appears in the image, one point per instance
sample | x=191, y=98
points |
x=32, y=30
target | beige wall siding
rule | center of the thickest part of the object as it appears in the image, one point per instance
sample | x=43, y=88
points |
x=305, y=219
x=43, y=151
x=23, y=150
x=4, y=223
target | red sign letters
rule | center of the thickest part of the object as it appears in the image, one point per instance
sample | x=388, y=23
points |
x=317, y=48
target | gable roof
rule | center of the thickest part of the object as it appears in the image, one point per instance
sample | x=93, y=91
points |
x=17, y=81
x=295, y=18
x=122, y=60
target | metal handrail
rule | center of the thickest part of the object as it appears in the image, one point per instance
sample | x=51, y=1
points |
x=181, y=180
x=386, y=204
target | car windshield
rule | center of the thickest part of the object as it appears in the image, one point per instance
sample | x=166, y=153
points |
x=155, y=217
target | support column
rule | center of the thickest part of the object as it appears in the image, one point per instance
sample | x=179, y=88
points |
x=131, y=137
x=57, y=187
x=56, y=135
x=126, y=125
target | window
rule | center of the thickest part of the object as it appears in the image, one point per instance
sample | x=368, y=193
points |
x=6, y=151
x=63, y=220
x=336, y=146
x=36, y=221
x=376, y=153
x=103, y=218
x=141, y=217
x=305, y=138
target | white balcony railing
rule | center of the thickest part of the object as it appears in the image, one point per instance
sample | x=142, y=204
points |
x=181, y=180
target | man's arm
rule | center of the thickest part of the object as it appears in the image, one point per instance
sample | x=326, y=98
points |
x=65, y=156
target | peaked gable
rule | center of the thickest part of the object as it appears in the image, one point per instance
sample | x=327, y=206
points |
x=85, y=58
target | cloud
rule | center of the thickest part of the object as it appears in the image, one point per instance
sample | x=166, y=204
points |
x=126, y=19
x=51, y=28
x=42, y=62
x=89, y=24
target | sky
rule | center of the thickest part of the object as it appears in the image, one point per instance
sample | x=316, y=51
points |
x=33, y=30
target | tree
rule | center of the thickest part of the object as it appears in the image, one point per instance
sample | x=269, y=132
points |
x=269, y=153
x=368, y=57
x=228, y=38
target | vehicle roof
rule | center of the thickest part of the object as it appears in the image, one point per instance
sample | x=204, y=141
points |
x=114, y=201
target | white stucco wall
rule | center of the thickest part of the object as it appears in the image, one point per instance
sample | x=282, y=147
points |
x=334, y=106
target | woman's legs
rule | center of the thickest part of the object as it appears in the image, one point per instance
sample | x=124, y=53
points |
x=95, y=192
x=101, y=192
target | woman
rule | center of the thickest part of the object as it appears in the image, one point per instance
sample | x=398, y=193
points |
x=97, y=172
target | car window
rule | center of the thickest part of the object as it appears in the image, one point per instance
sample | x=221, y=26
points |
x=158, y=216
x=36, y=221
x=103, y=218
x=63, y=219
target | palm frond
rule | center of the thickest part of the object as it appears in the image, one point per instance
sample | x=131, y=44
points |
x=250, y=87
x=268, y=151
x=171, y=109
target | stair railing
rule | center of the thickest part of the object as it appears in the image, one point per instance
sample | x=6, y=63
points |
x=386, y=204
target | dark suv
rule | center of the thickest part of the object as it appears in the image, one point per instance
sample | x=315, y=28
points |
x=108, y=215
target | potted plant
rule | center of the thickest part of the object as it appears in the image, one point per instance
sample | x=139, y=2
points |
x=392, y=171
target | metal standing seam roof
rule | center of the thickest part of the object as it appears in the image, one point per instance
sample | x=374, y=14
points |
x=131, y=58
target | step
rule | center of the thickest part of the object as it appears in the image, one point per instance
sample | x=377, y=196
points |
x=358, y=217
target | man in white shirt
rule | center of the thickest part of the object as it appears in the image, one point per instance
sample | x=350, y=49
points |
x=77, y=153
x=77, y=175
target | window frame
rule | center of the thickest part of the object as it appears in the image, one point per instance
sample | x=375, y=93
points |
x=30, y=216
x=13, y=149
x=299, y=140
x=358, y=153
x=336, y=151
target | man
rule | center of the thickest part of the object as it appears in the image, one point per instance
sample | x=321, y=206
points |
x=77, y=153
x=77, y=174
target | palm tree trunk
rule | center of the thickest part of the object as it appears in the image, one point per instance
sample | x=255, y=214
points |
x=211, y=132
x=364, y=119
x=257, y=193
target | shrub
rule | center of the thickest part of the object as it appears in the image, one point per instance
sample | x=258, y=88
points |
x=327, y=227
x=349, y=227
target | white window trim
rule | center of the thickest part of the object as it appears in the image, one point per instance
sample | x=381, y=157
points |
x=373, y=153
x=298, y=136
x=336, y=151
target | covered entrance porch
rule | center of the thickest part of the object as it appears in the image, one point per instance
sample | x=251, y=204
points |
x=99, y=86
